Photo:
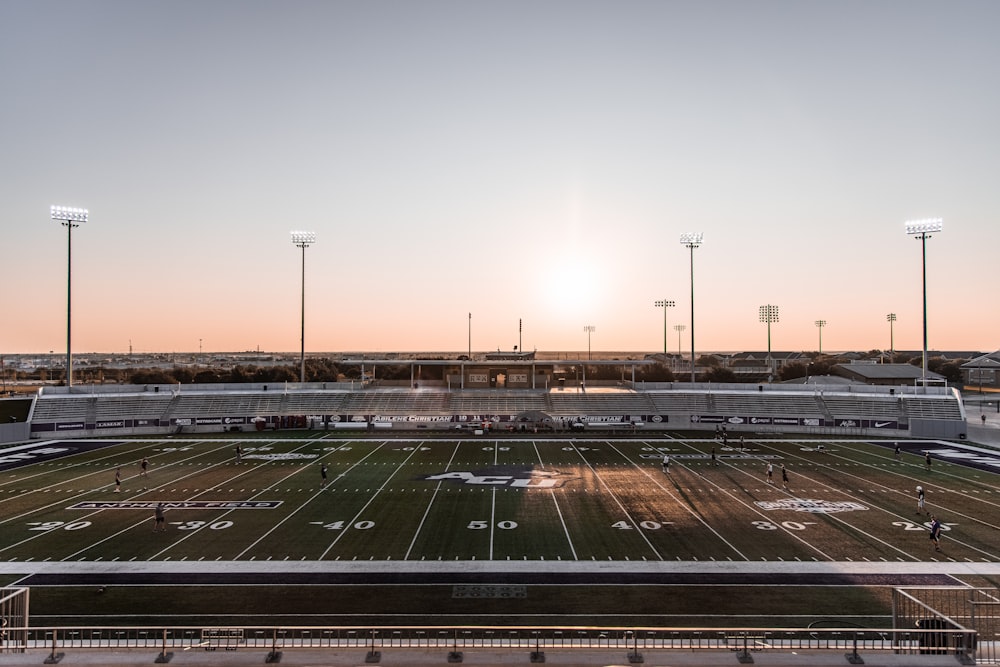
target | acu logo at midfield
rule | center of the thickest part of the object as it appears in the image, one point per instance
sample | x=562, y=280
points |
x=519, y=478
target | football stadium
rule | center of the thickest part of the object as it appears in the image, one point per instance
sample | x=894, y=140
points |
x=573, y=523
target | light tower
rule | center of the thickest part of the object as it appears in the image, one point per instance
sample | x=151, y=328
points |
x=69, y=217
x=820, y=324
x=890, y=318
x=679, y=328
x=303, y=240
x=921, y=229
x=769, y=314
x=664, y=304
x=589, y=329
x=692, y=240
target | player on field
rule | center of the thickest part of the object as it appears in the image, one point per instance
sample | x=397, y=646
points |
x=143, y=473
x=118, y=480
x=935, y=533
x=666, y=463
x=927, y=460
x=770, y=473
x=715, y=461
x=784, y=477
x=159, y=521
x=239, y=453
x=322, y=472
x=896, y=451
x=920, y=500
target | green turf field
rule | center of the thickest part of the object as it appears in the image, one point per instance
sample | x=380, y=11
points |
x=450, y=500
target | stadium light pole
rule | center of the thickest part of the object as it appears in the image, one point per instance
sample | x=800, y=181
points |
x=820, y=324
x=679, y=328
x=890, y=318
x=69, y=217
x=589, y=329
x=769, y=314
x=303, y=240
x=664, y=304
x=921, y=230
x=692, y=240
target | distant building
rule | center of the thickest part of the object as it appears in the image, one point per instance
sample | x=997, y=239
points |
x=982, y=371
x=884, y=374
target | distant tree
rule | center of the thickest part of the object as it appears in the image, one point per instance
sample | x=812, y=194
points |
x=793, y=370
x=950, y=369
x=720, y=374
x=207, y=376
x=654, y=373
x=708, y=360
x=151, y=376
x=182, y=375
x=321, y=370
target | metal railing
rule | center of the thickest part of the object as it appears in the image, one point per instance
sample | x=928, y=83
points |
x=958, y=643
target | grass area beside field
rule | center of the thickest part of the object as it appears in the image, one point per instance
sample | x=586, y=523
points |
x=375, y=605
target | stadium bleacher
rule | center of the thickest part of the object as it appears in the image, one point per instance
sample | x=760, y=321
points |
x=676, y=406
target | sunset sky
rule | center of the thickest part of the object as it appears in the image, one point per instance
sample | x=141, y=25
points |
x=528, y=161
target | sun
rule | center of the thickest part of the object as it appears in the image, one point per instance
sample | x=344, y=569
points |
x=571, y=285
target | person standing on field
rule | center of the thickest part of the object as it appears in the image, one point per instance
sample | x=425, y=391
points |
x=920, y=500
x=159, y=521
x=784, y=477
x=666, y=463
x=935, y=533
x=118, y=480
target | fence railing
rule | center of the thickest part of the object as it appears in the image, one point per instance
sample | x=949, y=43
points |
x=958, y=643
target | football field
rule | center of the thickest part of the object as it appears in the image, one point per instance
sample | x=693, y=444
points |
x=509, y=499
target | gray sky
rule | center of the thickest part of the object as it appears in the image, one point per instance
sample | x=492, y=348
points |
x=531, y=161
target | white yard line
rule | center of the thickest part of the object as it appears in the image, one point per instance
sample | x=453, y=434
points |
x=65, y=499
x=645, y=470
x=555, y=502
x=430, y=503
x=631, y=519
x=375, y=495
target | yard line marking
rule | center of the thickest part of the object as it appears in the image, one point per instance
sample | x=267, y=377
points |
x=430, y=503
x=59, y=503
x=370, y=500
x=555, y=501
x=618, y=501
x=898, y=517
x=290, y=514
x=143, y=521
x=755, y=509
x=682, y=503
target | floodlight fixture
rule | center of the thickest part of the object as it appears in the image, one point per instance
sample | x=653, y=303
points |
x=692, y=240
x=69, y=214
x=589, y=329
x=921, y=230
x=821, y=324
x=664, y=304
x=769, y=314
x=303, y=240
x=927, y=226
x=70, y=217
